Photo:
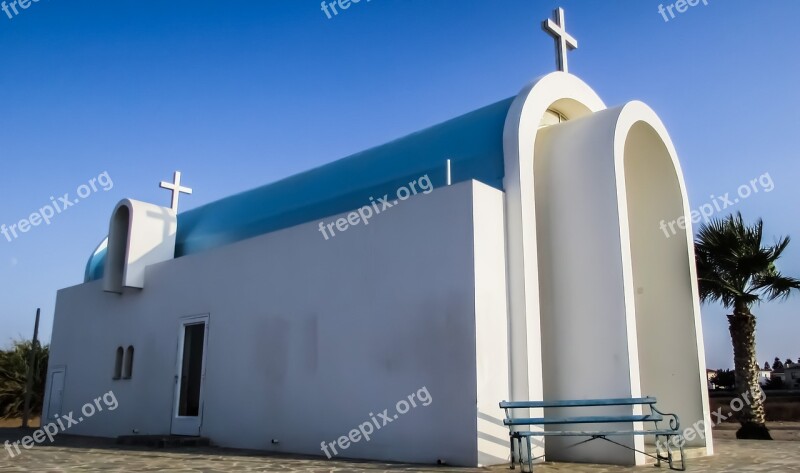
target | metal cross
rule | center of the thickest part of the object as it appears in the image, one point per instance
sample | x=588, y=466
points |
x=564, y=41
x=176, y=189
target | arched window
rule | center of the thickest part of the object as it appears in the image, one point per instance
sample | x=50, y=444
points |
x=129, y=363
x=552, y=117
x=118, y=364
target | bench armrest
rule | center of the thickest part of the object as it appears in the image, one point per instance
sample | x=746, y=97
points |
x=674, y=421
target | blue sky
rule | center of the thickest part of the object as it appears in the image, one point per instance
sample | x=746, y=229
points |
x=240, y=93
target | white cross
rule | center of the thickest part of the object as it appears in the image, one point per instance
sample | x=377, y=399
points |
x=564, y=42
x=176, y=189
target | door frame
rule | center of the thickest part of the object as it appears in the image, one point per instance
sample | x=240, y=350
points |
x=188, y=425
x=49, y=389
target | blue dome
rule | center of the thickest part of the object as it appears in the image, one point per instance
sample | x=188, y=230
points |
x=473, y=142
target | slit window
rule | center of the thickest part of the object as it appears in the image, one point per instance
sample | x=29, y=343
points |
x=118, y=364
x=128, y=363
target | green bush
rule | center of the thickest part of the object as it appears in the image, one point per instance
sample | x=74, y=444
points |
x=13, y=375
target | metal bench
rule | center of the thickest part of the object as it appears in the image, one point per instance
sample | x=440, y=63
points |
x=655, y=416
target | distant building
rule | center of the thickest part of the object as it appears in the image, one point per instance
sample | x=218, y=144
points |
x=764, y=375
x=777, y=373
x=791, y=376
x=710, y=379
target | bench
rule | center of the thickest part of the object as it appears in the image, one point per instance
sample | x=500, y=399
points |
x=603, y=432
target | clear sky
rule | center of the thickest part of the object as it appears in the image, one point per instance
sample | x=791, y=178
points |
x=238, y=93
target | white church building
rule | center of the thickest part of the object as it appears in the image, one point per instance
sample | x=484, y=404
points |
x=512, y=253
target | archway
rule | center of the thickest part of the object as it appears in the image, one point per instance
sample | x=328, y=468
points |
x=117, y=249
x=574, y=330
x=618, y=301
x=669, y=340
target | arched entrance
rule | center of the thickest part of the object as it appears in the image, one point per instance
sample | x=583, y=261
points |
x=617, y=300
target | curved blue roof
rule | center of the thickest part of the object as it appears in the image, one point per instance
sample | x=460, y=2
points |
x=473, y=142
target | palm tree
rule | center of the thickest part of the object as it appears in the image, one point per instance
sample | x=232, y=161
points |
x=735, y=270
x=13, y=375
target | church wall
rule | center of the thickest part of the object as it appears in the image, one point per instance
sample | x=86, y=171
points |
x=586, y=350
x=310, y=337
x=88, y=327
x=491, y=307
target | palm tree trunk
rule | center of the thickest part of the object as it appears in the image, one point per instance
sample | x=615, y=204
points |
x=752, y=416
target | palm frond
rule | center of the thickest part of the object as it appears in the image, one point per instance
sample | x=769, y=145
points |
x=733, y=266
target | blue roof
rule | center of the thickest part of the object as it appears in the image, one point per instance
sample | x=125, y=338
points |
x=473, y=142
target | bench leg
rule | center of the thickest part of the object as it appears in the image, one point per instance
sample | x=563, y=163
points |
x=669, y=454
x=658, y=451
x=530, y=454
x=511, y=445
x=683, y=456
x=670, y=458
x=663, y=450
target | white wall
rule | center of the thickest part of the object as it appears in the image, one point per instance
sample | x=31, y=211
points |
x=308, y=337
x=492, y=348
x=572, y=98
x=585, y=344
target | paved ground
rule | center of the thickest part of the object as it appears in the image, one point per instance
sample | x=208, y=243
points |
x=73, y=454
x=778, y=430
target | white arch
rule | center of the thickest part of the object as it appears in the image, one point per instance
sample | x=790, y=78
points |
x=617, y=299
x=585, y=206
x=573, y=98
x=139, y=235
x=673, y=364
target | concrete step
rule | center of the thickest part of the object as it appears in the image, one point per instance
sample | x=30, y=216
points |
x=163, y=441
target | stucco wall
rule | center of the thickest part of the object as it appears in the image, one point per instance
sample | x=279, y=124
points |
x=492, y=353
x=308, y=337
x=585, y=347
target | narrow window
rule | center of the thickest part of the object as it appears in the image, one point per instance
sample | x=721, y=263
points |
x=552, y=117
x=118, y=364
x=129, y=363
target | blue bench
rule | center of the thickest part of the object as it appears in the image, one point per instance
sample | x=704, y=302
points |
x=655, y=416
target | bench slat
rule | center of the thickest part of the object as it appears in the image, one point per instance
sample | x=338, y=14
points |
x=608, y=433
x=582, y=420
x=577, y=403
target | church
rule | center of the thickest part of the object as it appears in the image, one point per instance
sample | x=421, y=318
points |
x=511, y=253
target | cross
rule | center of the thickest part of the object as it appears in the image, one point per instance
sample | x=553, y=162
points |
x=176, y=189
x=564, y=42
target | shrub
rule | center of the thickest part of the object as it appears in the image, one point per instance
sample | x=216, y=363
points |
x=13, y=375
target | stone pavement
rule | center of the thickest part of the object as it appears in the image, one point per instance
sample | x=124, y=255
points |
x=75, y=454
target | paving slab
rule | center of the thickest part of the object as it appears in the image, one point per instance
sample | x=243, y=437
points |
x=82, y=454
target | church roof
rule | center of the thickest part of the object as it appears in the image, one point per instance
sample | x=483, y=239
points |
x=473, y=142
